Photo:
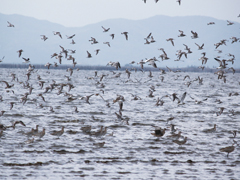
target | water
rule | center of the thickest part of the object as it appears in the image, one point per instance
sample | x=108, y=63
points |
x=132, y=152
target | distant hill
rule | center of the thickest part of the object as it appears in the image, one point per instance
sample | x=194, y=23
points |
x=26, y=35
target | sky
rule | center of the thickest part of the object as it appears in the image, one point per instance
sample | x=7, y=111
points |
x=79, y=13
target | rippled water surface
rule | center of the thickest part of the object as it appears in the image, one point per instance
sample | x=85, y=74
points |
x=130, y=150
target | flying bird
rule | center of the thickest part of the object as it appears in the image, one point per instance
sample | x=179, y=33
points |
x=10, y=24
x=89, y=55
x=20, y=52
x=57, y=33
x=44, y=37
x=126, y=35
x=105, y=30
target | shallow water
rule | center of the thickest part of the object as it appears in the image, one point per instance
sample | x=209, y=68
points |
x=132, y=152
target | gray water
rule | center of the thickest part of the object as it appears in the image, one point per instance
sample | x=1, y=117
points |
x=132, y=152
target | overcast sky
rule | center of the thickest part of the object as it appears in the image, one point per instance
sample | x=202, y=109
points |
x=77, y=13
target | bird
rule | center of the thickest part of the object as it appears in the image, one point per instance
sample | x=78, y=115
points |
x=57, y=33
x=180, y=142
x=112, y=35
x=20, y=52
x=194, y=35
x=97, y=51
x=175, y=136
x=70, y=37
x=58, y=133
x=98, y=133
x=40, y=134
x=159, y=132
x=211, y=130
x=17, y=122
x=126, y=35
x=86, y=129
x=105, y=29
x=181, y=33
x=44, y=37
x=86, y=98
x=48, y=65
x=7, y=85
x=10, y=24
x=88, y=55
x=200, y=47
x=11, y=105
x=76, y=109
x=228, y=149
x=73, y=42
x=170, y=39
x=179, y=2
x=229, y=23
x=26, y=60
x=108, y=43
x=1, y=60
x=210, y=23
x=99, y=144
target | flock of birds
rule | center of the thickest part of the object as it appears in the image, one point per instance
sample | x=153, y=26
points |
x=158, y=132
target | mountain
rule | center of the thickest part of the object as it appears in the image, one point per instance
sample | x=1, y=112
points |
x=26, y=35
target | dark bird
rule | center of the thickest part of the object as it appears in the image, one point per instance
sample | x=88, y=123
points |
x=126, y=35
x=20, y=52
x=10, y=24
x=7, y=85
x=89, y=55
x=158, y=132
x=112, y=35
x=105, y=30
